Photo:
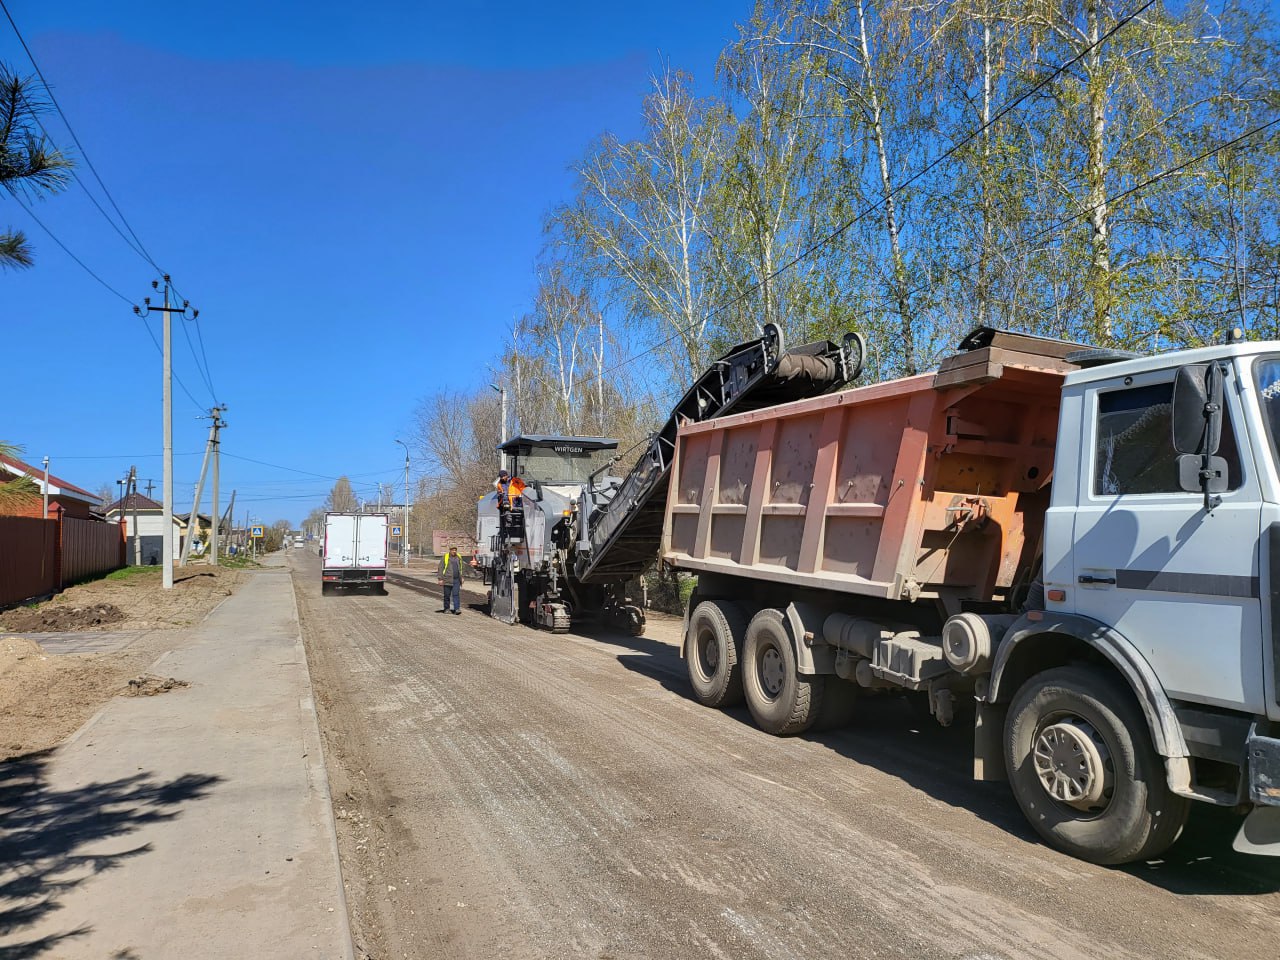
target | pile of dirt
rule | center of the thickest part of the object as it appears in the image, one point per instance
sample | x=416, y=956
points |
x=148, y=685
x=58, y=618
x=45, y=697
x=132, y=599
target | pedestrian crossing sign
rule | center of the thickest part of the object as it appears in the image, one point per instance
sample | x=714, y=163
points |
x=395, y=531
x=255, y=532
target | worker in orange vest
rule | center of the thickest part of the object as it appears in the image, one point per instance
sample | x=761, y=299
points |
x=509, y=490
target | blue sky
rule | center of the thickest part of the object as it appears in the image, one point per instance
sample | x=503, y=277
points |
x=356, y=189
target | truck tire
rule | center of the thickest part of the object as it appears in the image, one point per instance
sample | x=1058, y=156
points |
x=779, y=698
x=1083, y=769
x=711, y=653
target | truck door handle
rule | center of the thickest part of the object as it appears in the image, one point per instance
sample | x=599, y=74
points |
x=1088, y=579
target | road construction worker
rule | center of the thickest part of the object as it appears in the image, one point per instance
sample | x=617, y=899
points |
x=510, y=506
x=509, y=489
x=450, y=574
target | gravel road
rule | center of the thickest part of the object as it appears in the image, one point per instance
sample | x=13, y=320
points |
x=506, y=793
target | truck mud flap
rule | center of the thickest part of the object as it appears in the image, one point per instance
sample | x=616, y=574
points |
x=1260, y=833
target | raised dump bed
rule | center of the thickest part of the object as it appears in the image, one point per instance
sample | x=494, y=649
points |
x=931, y=486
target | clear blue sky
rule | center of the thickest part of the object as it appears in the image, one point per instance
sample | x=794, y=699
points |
x=337, y=187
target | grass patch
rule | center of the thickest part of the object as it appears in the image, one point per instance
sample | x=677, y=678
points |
x=128, y=573
x=238, y=562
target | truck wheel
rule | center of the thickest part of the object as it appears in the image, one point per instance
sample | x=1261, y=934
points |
x=1083, y=769
x=782, y=701
x=711, y=653
x=324, y=589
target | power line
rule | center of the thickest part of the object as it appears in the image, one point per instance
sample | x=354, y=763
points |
x=65, y=249
x=871, y=208
x=1112, y=199
x=142, y=250
x=134, y=244
x=320, y=476
x=160, y=350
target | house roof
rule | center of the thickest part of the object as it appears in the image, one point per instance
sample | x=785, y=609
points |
x=57, y=486
x=132, y=501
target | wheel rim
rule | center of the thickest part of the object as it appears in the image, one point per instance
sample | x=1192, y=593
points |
x=708, y=654
x=772, y=672
x=1073, y=764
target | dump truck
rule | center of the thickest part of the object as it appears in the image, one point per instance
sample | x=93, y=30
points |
x=1075, y=550
x=354, y=552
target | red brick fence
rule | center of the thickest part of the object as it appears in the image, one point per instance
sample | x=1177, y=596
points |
x=39, y=557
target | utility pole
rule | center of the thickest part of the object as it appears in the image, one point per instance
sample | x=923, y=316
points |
x=193, y=518
x=231, y=517
x=213, y=533
x=132, y=485
x=46, y=488
x=502, y=430
x=404, y=530
x=167, y=482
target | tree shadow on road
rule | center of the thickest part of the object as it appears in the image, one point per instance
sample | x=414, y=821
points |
x=51, y=840
x=886, y=734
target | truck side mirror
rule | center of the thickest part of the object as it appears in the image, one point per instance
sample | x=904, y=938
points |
x=1197, y=409
x=1197, y=431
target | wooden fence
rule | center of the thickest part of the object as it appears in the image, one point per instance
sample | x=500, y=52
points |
x=39, y=557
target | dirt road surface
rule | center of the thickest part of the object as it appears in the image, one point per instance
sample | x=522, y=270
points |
x=506, y=793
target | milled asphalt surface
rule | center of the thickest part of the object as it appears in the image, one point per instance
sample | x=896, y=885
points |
x=191, y=824
x=504, y=792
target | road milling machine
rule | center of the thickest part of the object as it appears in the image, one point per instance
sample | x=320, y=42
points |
x=576, y=539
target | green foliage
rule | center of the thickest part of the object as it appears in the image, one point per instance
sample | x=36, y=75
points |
x=131, y=573
x=29, y=165
x=20, y=491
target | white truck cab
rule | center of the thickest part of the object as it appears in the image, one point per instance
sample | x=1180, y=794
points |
x=1162, y=547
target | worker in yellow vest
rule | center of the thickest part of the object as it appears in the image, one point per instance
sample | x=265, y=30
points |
x=450, y=574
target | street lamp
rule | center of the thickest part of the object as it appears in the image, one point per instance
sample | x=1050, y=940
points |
x=502, y=432
x=404, y=533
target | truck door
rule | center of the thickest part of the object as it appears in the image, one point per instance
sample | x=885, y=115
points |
x=1180, y=583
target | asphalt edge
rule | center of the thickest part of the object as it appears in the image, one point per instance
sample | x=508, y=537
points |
x=318, y=772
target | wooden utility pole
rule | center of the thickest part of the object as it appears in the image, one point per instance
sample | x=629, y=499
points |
x=193, y=519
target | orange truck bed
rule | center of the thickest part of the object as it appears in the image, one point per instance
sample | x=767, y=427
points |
x=929, y=486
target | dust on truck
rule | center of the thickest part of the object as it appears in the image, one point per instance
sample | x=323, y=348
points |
x=1080, y=550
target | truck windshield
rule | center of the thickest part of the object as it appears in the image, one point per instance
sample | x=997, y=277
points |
x=564, y=464
x=1266, y=372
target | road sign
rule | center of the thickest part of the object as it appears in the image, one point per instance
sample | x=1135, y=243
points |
x=255, y=532
x=395, y=530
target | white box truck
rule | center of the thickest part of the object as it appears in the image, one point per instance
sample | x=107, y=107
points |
x=355, y=551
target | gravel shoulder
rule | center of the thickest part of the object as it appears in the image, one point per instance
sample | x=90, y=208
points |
x=45, y=696
x=502, y=792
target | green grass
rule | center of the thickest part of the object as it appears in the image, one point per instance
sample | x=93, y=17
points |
x=128, y=573
x=239, y=562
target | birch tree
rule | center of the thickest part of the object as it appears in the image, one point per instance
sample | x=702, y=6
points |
x=642, y=221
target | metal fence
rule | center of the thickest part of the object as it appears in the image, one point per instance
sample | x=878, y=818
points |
x=90, y=548
x=28, y=558
x=39, y=557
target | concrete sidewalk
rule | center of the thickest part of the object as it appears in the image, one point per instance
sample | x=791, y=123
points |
x=191, y=824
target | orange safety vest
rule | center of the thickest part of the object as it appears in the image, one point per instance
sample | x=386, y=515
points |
x=511, y=490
